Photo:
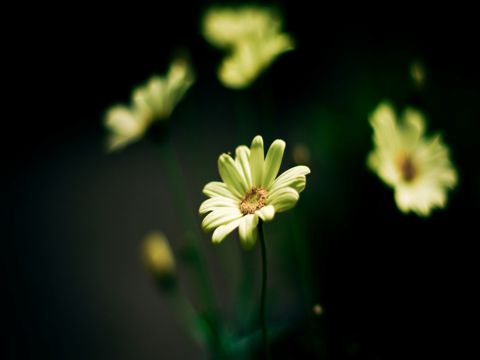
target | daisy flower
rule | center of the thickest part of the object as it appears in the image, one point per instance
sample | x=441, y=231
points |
x=417, y=167
x=151, y=102
x=253, y=37
x=250, y=191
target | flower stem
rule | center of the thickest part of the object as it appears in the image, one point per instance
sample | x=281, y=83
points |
x=263, y=295
x=178, y=184
x=194, y=324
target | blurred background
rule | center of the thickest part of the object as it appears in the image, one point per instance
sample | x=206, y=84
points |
x=389, y=285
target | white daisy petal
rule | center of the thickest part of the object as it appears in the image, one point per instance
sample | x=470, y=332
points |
x=386, y=129
x=414, y=125
x=126, y=125
x=257, y=160
x=160, y=97
x=222, y=231
x=218, y=188
x=117, y=142
x=266, y=213
x=292, y=177
x=298, y=183
x=220, y=216
x=217, y=202
x=283, y=199
x=179, y=79
x=273, y=162
x=122, y=121
x=141, y=102
x=231, y=175
x=242, y=158
x=248, y=230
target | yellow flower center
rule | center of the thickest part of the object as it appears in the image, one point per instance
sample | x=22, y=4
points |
x=407, y=168
x=253, y=200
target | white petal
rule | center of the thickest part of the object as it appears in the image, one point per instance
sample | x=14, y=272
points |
x=421, y=198
x=386, y=132
x=220, y=216
x=248, y=230
x=293, y=177
x=414, y=126
x=217, y=202
x=240, y=68
x=242, y=158
x=231, y=175
x=266, y=213
x=222, y=231
x=141, y=102
x=283, y=199
x=157, y=96
x=217, y=188
x=298, y=183
x=273, y=162
x=116, y=142
x=256, y=160
x=123, y=121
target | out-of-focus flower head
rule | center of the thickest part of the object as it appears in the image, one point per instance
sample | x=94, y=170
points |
x=158, y=258
x=301, y=154
x=151, y=102
x=252, y=35
x=416, y=166
x=418, y=73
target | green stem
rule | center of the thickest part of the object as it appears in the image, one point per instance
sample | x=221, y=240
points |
x=178, y=185
x=177, y=182
x=264, y=288
x=197, y=327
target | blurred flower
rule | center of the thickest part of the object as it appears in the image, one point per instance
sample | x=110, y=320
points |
x=301, y=154
x=317, y=309
x=157, y=257
x=253, y=37
x=417, y=72
x=417, y=167
x=126, y=125
x=250, y=191
x=151, y=102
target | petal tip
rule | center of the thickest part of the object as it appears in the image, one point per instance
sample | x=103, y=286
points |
x=279, y=142
x=257, y=141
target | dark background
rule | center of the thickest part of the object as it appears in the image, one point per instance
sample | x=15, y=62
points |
x=391, y=285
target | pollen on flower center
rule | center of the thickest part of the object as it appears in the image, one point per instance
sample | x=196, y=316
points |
x=407, y=168
x=253, y=200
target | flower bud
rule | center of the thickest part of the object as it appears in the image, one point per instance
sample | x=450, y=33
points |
x=158, y=258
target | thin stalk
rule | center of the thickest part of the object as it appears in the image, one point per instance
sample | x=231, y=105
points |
x=263, y=321
x=178, y=185
x=196, y=326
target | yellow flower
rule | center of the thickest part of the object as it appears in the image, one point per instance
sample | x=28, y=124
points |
x=157, y=255
x=151, y=102
x=417, y=167
x=250, y=191
x=253, y=37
